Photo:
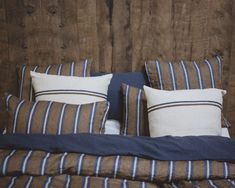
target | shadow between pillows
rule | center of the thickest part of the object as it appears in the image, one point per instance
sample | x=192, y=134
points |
x=115, y=96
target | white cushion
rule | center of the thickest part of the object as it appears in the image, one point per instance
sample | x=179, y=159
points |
x=184, y=112
x=112, y=127
x=70, y=89
x=225, y=132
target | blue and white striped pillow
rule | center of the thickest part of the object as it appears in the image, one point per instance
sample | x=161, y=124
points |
x=185, y=74
x=135, y=120
x=47, y=117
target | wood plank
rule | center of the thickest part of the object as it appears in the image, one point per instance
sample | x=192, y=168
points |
x=86, y=33
x=42, y=32
x=118, y=35
x=4, y=65
x=122, y=46
x=151, y=32
x=231, y=80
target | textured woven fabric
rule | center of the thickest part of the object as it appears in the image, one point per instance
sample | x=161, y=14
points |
x=55, y=118
x=184, y=112
x=135, y=117
x=105, y=182
x=39, y=163
x=185, y=74
x=70, y=89
x=26, y=92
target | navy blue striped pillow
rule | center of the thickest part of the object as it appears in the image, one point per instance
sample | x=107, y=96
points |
x=135, y=120
x=47, y=117
x=185, y=74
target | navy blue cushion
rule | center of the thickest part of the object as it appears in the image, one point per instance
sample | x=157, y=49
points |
x=135, y=79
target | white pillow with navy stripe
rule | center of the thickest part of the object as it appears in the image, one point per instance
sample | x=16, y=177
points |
x=70, y=89
x=184, y=112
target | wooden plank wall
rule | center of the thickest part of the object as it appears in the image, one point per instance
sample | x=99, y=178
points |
x=118, y=35
x=4, y=64
x=230, y=111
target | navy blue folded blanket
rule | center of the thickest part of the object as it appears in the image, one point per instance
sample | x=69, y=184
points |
x=162, y=148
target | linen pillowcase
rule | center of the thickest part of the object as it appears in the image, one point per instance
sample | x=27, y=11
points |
x=184, y=112
x=54, y=118
x=185, y=74
x=135, y=121
x=71, y=90
x=26, y=92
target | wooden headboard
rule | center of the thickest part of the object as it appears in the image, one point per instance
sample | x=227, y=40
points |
x=118, y=35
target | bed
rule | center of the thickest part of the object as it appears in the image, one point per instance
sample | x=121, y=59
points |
x=113, y=161
x=59, y=140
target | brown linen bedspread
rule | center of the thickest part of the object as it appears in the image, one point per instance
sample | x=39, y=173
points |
x=21, y=168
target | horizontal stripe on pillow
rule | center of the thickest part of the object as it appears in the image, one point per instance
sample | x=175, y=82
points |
x=47, y=117
x=71, y=90
x=135, y=112
x=184, y=112
x=26, y=92
x=184, y=103
x=185, y=74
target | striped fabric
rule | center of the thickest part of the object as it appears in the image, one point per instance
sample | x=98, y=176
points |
x=72, y=92
x=47, y=117
x=174, y=112
x=26, y=92
x=185, y=103
x=135, y=112
x=185, y=74
x=130, y=168
x=105, y=182
x=70, y=89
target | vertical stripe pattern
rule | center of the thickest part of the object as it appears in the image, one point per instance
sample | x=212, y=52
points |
x=186, y=76
x=181, y=75
x=20, y=103
x=31, y=113
x=172, y=74
x=47, y=117
x=211, y=73
x=159, y=71
x=126, y=102
x=135, y=106
x=39, y=163
x=44, y=162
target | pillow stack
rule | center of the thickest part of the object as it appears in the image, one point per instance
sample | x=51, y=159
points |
x=184, y=76
x=26, y=91
x=185, y=98
x=67, y=101
x=188, y=107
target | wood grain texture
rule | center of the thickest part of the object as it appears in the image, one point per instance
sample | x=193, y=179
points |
x=86, y=33
x=117, y=35
x=122, y=48
x=231, y=80
x=4, y=65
